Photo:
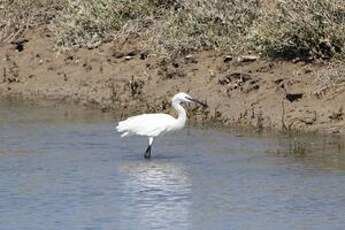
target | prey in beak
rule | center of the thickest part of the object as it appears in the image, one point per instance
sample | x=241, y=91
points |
x=198, y=102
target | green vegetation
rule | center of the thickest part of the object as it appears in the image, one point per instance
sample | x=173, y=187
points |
x=279, y=29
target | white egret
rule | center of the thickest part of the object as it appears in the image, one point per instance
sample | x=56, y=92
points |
x=155, y=124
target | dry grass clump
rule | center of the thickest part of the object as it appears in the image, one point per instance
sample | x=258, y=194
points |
x=302, y=28
x=306, y=29
x=17, y=16
x=166, y=26
x=88, y=23
x=200, y=24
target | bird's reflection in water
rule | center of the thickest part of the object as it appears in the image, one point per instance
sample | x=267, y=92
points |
x=158, y=193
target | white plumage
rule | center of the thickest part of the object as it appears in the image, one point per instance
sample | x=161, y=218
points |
x=155, y=124
x=138, y=125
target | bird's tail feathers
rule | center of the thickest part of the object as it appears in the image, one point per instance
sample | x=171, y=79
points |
x=122, y=128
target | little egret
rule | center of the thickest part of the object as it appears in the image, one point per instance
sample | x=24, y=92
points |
x=155, y=124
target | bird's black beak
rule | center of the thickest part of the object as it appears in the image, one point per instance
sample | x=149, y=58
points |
x=198, y=102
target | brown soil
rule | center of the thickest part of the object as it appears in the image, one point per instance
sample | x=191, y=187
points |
x=124, y=78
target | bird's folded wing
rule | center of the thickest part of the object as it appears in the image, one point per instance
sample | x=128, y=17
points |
x=146, y=124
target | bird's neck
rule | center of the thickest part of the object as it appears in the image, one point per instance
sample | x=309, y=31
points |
x=181, y=114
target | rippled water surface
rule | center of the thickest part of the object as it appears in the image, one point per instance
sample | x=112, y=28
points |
x=66, y=169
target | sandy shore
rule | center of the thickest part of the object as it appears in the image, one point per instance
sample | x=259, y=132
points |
x=240, y=91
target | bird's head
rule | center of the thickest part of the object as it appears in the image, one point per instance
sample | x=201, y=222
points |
x=183, y=97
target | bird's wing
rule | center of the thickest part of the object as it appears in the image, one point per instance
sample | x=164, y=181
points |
x=146, y=124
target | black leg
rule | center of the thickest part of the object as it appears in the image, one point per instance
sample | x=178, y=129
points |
x=148, y=152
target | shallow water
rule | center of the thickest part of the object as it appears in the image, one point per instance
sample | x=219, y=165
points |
x=67, y=169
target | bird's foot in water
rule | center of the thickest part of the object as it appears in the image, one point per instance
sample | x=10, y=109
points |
x=148, y=153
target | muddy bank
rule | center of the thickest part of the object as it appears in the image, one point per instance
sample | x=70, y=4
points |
x=240, y=91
